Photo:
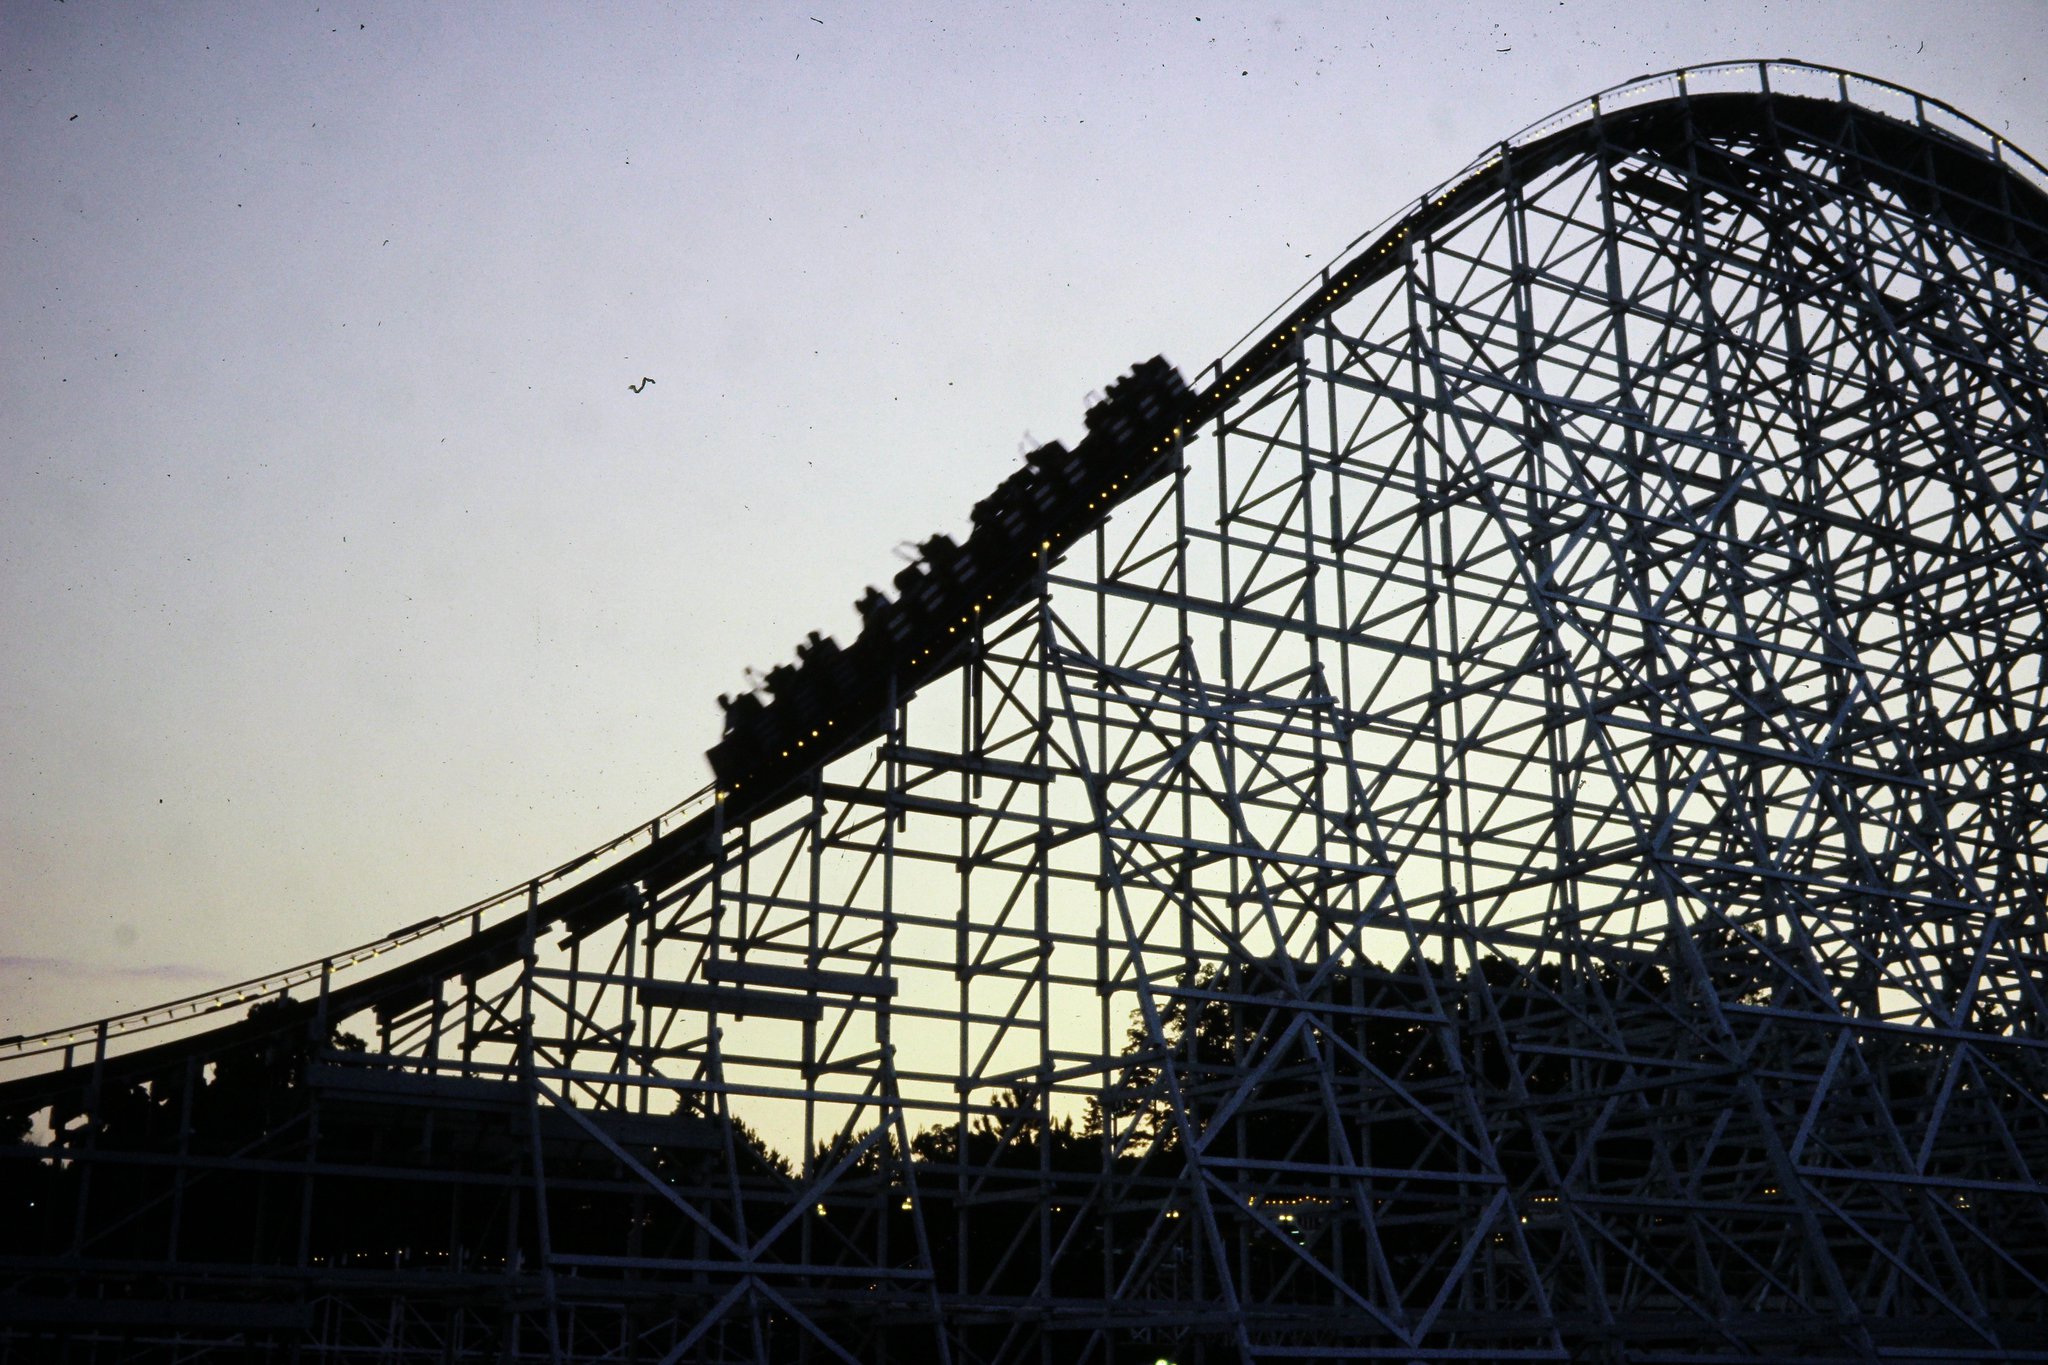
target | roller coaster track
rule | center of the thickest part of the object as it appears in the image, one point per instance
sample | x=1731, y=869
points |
x=1979, y=159
x=1919, y=824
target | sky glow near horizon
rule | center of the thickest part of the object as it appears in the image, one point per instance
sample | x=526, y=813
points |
x=346, y=580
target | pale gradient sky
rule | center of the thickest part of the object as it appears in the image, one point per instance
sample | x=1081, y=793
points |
x=342, y=580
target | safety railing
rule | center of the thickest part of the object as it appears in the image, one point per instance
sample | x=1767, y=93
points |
x=123, y=1032
x=1783, y=76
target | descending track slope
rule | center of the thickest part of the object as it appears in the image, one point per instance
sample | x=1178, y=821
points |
x=1503, y=821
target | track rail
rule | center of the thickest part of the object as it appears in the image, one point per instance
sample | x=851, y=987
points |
x=1910, y=132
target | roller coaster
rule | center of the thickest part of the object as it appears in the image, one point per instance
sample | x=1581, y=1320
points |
x=1508, y=820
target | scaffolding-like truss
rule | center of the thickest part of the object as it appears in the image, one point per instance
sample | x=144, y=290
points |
x=1527, y=844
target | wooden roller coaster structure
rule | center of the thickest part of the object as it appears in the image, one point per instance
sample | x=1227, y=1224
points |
x=1507, y=821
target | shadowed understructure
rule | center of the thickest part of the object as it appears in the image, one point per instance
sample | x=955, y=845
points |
x=1504, y=821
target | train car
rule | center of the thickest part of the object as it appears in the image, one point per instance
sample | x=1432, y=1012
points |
x=1058, y=495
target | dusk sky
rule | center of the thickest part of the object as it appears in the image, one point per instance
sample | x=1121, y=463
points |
x=345, y=578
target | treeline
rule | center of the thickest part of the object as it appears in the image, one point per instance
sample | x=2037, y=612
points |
x=1368, y=1116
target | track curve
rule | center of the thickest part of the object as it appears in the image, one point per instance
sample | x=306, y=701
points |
x=1923, y=149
